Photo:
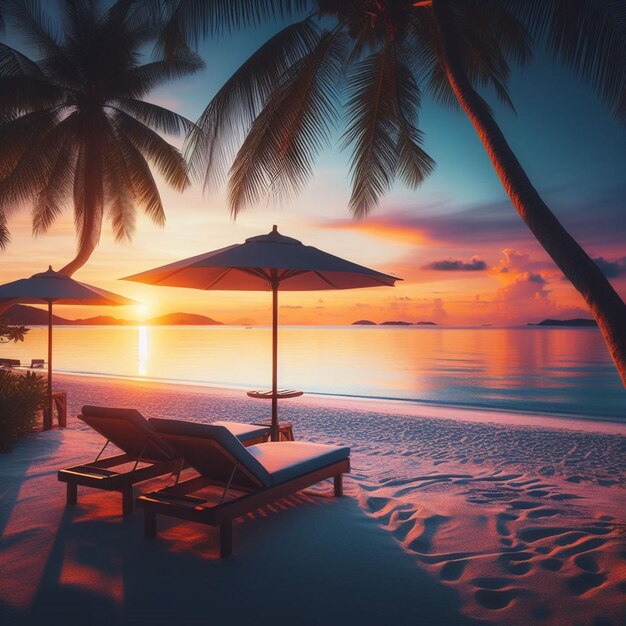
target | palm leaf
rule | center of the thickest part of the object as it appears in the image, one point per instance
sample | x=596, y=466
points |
x=229, y=115
x=154, y=116
x=414, y=165
x=588, y=36
x=5, y=236
x=285, y=138
x=188, y=21
x=165, y=157
x=53, y=197
x=372, y=131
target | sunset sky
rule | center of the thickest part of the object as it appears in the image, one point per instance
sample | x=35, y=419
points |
x=465, y=256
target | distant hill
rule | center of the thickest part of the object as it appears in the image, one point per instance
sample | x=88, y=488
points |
x=364, y=323
x=398, y=323
x=30, y=316
x=182, y=319
x=578, y=321
x=101, y=320
x=425, y=324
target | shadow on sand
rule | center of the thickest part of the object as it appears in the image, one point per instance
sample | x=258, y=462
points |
x=306, y=560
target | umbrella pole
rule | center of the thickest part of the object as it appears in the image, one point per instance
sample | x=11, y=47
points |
x=274, y=429
x=47, y=414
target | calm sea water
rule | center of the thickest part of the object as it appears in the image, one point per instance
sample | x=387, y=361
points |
x=544, y=370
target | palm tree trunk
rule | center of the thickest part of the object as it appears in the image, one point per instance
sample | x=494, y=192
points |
x=92, y=200
x=88, y=241
x=606, y=306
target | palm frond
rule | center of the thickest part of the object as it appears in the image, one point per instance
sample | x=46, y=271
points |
x=140, y=80
x=14, y=63
x=35, y=27
x=229, y=115
x=189, y=21
x=165, y=157
x=145, y=191
x=5, y=235
x=588, y=36
x=31, y=171
x=119, y=194
x=372, y=131
x=278, y=153
x=154, y=116
x=53, y=197
x=414, y=164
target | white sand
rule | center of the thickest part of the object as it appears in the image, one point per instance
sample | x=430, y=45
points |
x=446, y=521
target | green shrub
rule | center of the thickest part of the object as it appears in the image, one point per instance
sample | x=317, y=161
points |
x=22, y=396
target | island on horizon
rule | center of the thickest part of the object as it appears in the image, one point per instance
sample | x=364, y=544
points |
x=577, y=321
x=31, y=316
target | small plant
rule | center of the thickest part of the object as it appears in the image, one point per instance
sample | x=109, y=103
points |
x=22, y=396
x=11, y=332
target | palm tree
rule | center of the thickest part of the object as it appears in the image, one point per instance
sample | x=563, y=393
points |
x=74, y=129
x=273, y=115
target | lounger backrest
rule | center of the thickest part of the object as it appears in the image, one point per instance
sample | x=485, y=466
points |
x=129, y=430
x=212, y=451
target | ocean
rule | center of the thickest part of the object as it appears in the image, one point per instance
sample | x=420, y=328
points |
x=565, y=371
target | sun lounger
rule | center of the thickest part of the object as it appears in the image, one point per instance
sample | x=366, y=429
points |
x=9, y=363
x=144, y=453
x=36, y=364
x=235, y=480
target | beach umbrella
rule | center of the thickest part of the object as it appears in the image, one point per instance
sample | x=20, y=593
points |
x=54, y=288
x=269, y=262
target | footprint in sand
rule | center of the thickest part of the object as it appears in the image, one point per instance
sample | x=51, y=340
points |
x=423, y=543
x=552, y=564
x=587, y=562
x=581, y=584
x=502, y=523
x=452, y=570
x=565, y=496
x=537, y=513
x=524, y=504
x=497, y=599
x=516, y=562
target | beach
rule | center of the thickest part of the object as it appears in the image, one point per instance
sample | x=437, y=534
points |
x=480, y=518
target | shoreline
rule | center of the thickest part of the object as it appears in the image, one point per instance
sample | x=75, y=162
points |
x=392, y=406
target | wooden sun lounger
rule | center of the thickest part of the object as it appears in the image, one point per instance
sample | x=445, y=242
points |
x=129, y=431
x=9, y=363
x=236, y=480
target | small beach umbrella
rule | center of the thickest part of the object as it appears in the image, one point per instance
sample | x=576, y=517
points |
x=269, y=262
x=54, y=288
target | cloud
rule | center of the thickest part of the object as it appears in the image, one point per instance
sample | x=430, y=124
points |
x=291, y=306
x=475, y=264
x=611, y=269
x=442, y=223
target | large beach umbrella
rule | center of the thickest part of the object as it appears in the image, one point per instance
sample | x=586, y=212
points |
x=269, y=262
x=54, y=288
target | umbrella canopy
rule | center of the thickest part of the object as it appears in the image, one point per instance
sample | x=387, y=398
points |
x=260, y=262
x=54, y=288
x=269, y=262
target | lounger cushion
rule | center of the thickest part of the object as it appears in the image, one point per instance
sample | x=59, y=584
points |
x=285, y=460
x=193, y=441
x=129, y=430
x=243, y=432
